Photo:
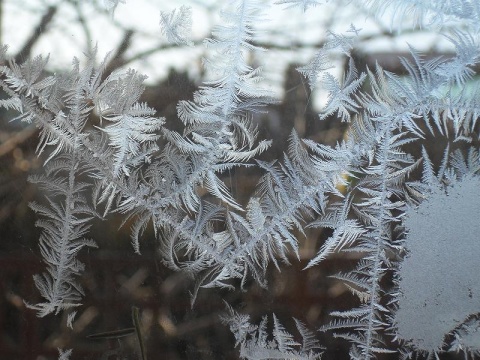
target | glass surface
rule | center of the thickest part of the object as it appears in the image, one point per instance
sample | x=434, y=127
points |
x=385, y=183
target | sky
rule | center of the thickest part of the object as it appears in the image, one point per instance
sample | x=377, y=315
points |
x=290, y=28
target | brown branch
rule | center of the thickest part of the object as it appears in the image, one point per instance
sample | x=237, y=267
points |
x=39, y=30
x=118, y=58
x=16, y=139
x=266, y=45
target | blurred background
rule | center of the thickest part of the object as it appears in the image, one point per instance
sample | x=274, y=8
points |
x=117, y=279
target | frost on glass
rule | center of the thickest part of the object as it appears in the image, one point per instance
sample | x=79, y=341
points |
x=111, y=5
x=177, y=26
x=363, y=188
x=439, y=282
x=467, y=336
x=255, y=343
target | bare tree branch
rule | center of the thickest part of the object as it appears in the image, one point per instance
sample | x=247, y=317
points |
x=39, y=30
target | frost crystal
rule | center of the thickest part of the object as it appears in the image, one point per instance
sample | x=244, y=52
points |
x=177, y=26
x=439, y=282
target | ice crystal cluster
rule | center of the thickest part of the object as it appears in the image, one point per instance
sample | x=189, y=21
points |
x=439, y=281
x=407, y=218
